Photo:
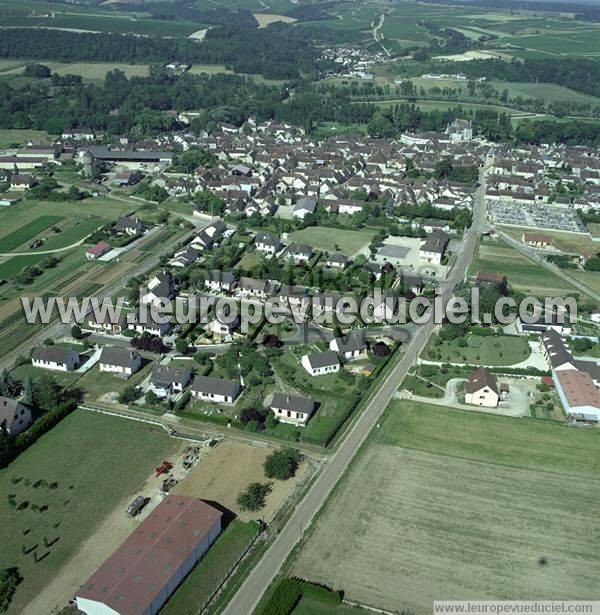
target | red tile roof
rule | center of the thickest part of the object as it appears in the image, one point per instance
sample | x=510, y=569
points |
x=136, y=573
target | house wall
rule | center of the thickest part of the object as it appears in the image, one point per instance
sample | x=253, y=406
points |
x=296, y=418
x=484, y=397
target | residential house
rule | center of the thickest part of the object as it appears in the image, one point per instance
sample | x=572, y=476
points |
x=55, y=357
x=304, y=207
x=292, y=409
x=350, y=346
x=320, y=363
x=160, y=289
x=293, y=296
x=15, y=417
x=143, y=321
x=129, y=225
x=166, y=381
x=22, y=182
x=482, y=389
x=106, y=323
x=299, y=253
x=121, y=362
x=267, y=243
x=434, y=247
x=220, y=281
x=337, y=260
x=215, y=389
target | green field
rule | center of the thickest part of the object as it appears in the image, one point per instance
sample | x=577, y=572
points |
x=27, y=231
x=80, y=454
x=491, y=507
x=482, y=350
x=206, y=577
x=522, y=274
x=324, y=238
x=9, y=137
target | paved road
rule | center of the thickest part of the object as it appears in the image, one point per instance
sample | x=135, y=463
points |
x=250, y=592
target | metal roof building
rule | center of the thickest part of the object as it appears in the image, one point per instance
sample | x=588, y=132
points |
x=140, y=576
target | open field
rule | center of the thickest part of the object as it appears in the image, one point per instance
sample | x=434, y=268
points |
x=264, y=19
x=522, y=274
x=322, y=238
x=574, y=243
x=27, y=231
x=9, y=137
x=230, y=466
x=432, y=482
x=80, y=454
x=484, y=350
x=89, y=70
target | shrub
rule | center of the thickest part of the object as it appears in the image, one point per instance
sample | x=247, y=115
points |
x=254, y=497
x=282, y=464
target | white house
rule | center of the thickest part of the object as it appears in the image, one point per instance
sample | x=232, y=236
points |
x=15, y=417
x=292, y=409
x=319, y=363
x=55, y=357
x=351, y=346
x=304, y=207
x=121, y=362
x=215, y=389
x=434, y=247
x=165, y=380
x=267, y=243
x=482, y=389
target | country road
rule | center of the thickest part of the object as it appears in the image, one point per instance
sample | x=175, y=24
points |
x=250, y=592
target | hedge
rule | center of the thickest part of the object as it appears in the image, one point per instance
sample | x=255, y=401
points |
x=290, y=591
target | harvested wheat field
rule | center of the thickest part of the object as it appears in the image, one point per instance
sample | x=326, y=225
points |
x=445, y=504
x=227, y=469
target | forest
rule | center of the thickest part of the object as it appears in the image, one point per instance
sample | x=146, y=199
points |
x=276, y=52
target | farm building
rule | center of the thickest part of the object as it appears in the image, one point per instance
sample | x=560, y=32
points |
x=141, y=575
x=578, y=394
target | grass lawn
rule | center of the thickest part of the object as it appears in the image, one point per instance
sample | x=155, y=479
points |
x=522, y=274
x=27, y=231
x=574, y=243
x=250, y=260
x=63, y=378
x=97, y=383
x=482, y=350
x=323, y=238
x=208, y=574
x=330, y=391
x=80, y=454
x=9, y=136
x=424, y=494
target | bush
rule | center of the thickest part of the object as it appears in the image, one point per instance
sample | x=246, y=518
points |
x=284, y=599
x=253, y=499
x=282, y=464
x=9, y=579
x=76, y=332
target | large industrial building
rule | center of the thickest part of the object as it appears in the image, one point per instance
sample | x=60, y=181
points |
x=141, y=575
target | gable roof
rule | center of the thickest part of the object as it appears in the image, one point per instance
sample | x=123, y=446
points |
x=216, y=386
x=480, y=379
x=323, y=359
x=121, y=357
x=294, y=403
x=55, y=354
x=150, y=558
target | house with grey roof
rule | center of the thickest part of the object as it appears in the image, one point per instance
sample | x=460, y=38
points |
x=122, y=362
x=350, y=346
x=55, y=357
x=434, y=247
x=217, y=390
x=337, y=260
x=292, y=409
x=165, y=380
x=219, y=281
x=267, y=243
x=15, y=417
x=304, y=207
x=320, y=363
x=299, y=253
x=129, y=225
x=161, y=288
